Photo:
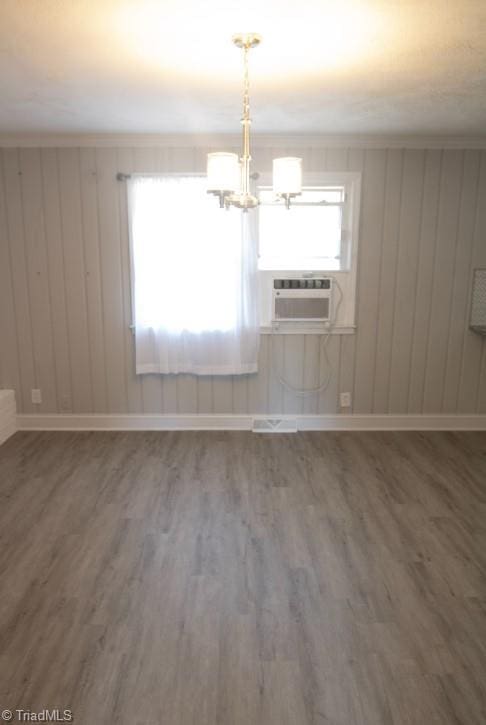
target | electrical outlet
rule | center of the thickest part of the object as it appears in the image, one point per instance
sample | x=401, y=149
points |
x=36, y=396
x=345, y=400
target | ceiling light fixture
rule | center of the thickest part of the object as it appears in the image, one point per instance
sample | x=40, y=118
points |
x=228, y=176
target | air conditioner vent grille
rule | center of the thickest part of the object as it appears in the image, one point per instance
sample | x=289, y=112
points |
x=302, y=308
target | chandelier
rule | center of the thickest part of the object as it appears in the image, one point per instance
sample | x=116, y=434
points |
x=228, y=176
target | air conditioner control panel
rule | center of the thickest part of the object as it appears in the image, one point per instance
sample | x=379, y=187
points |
x=302, y=283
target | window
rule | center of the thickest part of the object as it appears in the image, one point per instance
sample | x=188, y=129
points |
x=185, y=256
x=305, y=237
x=318, y=234
x=194, y=280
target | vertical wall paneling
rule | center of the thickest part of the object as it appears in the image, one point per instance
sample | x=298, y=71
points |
x=19, y=270
x=239, y=384
x=442, y=281
x=340, y=351
x=310, y=373
x=329, y=372
x=316, y=159
x=293, y=371
x=37, y=276
x=472, y=387
x=372, y=201
x=57, y=278
x=258, y=401
x=406, y=279
x=205, y=394
x=334, y=159
x=111, y=275
x=460, y=293
x=66, y=305
x=222, y=393
x=276, y=369
x=94, y=288
x=9, y=357
x=341, y=358
x=426, y=262
x=74, y=270
x=387, y=275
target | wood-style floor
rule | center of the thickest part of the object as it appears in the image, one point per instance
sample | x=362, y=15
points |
x=241, y=579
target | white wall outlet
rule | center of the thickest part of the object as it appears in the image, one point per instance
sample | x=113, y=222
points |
x=345, y=400
x=36, y=396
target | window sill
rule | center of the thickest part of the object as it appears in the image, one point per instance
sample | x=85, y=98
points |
x=305, y=328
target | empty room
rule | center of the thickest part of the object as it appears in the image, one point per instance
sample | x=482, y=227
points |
x=243, y=362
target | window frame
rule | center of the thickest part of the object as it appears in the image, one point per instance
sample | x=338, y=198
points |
x=131, y=251
x=346, y=277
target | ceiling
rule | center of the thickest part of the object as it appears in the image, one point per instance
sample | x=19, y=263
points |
x=168, y=66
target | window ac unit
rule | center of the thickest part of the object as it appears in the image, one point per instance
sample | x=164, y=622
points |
x=302, y=299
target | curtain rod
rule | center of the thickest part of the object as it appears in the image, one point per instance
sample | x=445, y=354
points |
x=121, y=176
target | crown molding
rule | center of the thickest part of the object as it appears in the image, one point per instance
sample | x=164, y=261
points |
x=12, y=140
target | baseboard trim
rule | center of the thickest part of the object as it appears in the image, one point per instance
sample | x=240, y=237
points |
x=134, y=422
x=246, y=422
x=393, y=422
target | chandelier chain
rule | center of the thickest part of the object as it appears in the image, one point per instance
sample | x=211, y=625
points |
x=227, y=167
x=246, y=123
x=246, y=88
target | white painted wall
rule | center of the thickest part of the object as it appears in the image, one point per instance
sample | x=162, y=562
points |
x=65, y=306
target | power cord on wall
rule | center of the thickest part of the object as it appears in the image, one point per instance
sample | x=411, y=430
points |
x=322, y=350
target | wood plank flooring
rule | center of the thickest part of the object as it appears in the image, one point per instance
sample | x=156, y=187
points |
x=206, y=578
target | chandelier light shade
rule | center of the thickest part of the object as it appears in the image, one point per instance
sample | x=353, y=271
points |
x=224, y=174
x=228, y=176
x=287, y=177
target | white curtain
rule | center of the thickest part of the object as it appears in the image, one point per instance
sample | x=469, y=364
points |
x=194, y=283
